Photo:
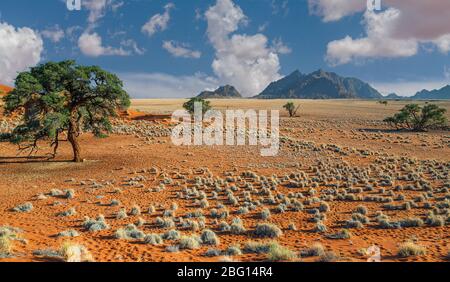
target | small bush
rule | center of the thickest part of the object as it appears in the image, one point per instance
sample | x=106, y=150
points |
x=280, y=253
x=27, y=207
x=315, y=250
x=267, y=230
x=258, y=247
x=409, y=249
x=68, y=233
x=329, y=256
x=171, y=235
x=342, y=234
x=265, y=214
x=208, y=237
x=189, y=242
x=135, y=210
x=233, y=250
x=71, y=252
x=153, y=239
x=93, y=225
x=362, y=210
x=320, y=228
x=129, y=232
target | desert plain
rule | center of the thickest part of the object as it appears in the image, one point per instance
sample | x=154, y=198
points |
x=343, y=182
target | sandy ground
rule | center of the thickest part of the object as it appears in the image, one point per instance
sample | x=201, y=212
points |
x=310, y=144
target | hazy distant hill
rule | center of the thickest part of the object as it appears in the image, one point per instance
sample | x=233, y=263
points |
x=319, y=85
x=438, y=94
x=394, y=96
x=224, y=92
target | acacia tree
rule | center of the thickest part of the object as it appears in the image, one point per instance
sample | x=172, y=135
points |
x=416, y=118
x=64, y=97
x=292, y=110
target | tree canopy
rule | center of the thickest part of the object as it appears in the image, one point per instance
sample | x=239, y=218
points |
x=417, y=118
x=64, y=97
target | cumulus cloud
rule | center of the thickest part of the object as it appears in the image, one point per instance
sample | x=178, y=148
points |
x=160, y=85
x=280, y=47
x=91, y=45
x=180, y=50
x=333, y=10
x=158, y=22
x=97, y=8
x=245, y=61
x=398, y=31
x=55, y=33
x=20, y=48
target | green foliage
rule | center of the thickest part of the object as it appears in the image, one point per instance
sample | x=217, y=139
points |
x=417, y=118
x=290, y=107
x=58, y=97
x=189, y=105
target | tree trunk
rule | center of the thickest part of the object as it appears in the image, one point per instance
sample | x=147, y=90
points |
x=72, y=137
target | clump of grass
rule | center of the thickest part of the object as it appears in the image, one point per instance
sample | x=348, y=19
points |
x=140, y=222
x=68, y=233
x=122, y=214
x=27, y=207
x=5, y=246
x=361, y=210
x=171, y=235
x=153, y=239
x=324, y=207
x=114, y=203
x=69, y=212
x=93, y=225
x=258, y=247
x=165, y=222
x=315, y=250
x=233, y=250
x=69, y=194
x=267, y=230
x=280, y=253
x=292, y=227
x=342, y=234
x=212, y=253
x=435, y=220
x=329, y=256
x=237, y=226
x=172, y=249
x=135, y=210
x=189, y=242
x=129, y=232
x=409, y=249
x=411, y=222
x=320, y=228
x=265, y=214
x=208, y=237
x=71, y=252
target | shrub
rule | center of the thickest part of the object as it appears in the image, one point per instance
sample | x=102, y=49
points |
x=320, y=228
x=69, y=212
x=212, y=253
x=258, y=247
x=208, y=237
x=114, y=202
x=353, y=224
x=233, y=250
x=416, y=118
x=435, y=220
x=329, y=256
x=93, y=225
x=280, y=253
x=267, y=230
x=315, y=250
x=5, y=246
x=292, y=227
x=342, y=234
x=189, y=105
x=360, y=217
x=135, y=210
x=324, y=207
x=361, y=210
x=153, y=239
x=292, y=110
x=411, y=222
x=69, y=194
x=68, y=233
x=27, y=207
x=237, y=227
x=122, y=214
x=71, y=252
x=129, y=232
x=171, y=235
x=265, y=214
x=189, y=242
x=172, y=249
x=408, y=249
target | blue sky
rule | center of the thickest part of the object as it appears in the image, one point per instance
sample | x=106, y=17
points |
x=184, y=50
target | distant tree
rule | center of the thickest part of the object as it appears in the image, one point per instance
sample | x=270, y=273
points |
x=292, y=110
x=189, y=105
x=383, y=102
x=416, y=118
x=64, y=97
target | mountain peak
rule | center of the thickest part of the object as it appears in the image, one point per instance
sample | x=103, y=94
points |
x=223, y=92
x=319, y=85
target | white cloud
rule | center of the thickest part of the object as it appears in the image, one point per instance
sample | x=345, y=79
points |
x=55, y=34
x=130, y=43
x=20, y=48
x=333, y=10
x=280, y=47
x=398, y=31
x=158, y=22
x=160, y=85
x=91, y=45
x=244, y=61
x=407, y=88
x=447, y=72
x=180, y=50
